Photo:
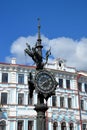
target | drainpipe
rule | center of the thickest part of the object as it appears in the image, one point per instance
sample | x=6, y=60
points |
x=78, y=77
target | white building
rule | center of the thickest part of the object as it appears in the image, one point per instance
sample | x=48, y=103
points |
x=67, y=109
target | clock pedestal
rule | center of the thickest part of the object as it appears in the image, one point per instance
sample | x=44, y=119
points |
x=41, y=108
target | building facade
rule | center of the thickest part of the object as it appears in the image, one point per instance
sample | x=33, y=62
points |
x=67, y=108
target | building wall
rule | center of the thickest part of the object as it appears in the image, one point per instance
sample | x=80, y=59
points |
x=24, y=113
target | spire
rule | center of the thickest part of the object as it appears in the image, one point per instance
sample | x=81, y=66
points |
x=38, y=44
x=39, y=38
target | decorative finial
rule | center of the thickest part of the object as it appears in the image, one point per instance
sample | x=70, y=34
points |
x=39, y=29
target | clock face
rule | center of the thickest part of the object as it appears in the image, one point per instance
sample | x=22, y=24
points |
x=44, y=82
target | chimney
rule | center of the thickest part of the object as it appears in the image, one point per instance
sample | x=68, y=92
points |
x=13, y=61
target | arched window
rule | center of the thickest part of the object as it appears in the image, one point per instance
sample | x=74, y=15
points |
x=55, y=125
x=30, y=125
x=20, y=125
x=63, y=126
x=2, y=125
x=71, y=126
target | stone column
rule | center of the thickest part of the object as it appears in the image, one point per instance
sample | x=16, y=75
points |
x=59, y=126
x=49, y=126
x=67, y=126
x=35, y=125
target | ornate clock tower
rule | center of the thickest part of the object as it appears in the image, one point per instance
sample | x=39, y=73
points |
x=44, y=82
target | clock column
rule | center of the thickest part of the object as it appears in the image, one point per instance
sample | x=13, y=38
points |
x=43, y=83
x=41, y=108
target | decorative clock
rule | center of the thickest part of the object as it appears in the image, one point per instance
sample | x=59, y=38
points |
x=45, y=82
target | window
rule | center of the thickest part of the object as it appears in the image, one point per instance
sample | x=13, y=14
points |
x=53, y=100
x=4, y=77
x=29, y=100
x=30, y=125
x=68, y=84
x=71, y=126
x=2, y=125
x=61, y=101
x=20, y=98
x=63, y=126
x=61, y=83
x=82, y=104
x=21, y=78
x=60, y=64
x=84, y=126
x=3, y=98
x=69, y=102
x=80, y=86
x=55, y=125
x=85, y=87
x=20, y=125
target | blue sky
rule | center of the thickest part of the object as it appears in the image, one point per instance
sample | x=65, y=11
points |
x=63, y=28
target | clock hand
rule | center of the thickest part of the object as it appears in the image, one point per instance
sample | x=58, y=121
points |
x=44, y=82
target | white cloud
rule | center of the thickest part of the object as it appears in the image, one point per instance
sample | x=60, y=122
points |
x=73, y=51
